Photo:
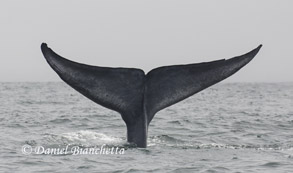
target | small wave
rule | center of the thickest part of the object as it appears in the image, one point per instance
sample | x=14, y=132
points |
x=272, y=164
x=31, y=142
x=60, y=120
x=33, y=102
x=175, y=122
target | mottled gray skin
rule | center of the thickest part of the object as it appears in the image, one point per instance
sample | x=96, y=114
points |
x=138, y=96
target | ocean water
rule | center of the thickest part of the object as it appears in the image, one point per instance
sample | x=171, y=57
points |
x=230, y=127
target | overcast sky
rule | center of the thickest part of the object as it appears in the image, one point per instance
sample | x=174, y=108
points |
x=146, y=34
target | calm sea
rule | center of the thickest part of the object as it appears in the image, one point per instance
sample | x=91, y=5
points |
x=230, y=127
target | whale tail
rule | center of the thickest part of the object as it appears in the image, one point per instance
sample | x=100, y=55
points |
x=138, y=96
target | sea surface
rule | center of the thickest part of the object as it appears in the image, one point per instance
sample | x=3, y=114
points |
x=229, y=127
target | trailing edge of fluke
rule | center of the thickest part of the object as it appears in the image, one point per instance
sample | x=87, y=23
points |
x=138, y=96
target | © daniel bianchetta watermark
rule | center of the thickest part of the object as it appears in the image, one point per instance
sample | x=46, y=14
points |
x=73, y=150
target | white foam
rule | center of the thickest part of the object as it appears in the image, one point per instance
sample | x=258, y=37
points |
x=87, y=138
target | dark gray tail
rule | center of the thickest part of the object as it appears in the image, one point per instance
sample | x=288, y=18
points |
x=136, y=96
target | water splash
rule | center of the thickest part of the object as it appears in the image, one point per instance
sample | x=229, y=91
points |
x=83, y=138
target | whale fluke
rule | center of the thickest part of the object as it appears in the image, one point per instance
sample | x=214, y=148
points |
x=138, y=96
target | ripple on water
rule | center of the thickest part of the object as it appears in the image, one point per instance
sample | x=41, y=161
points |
x=272, y=164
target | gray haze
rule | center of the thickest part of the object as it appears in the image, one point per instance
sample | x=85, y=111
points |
x=146, y=34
